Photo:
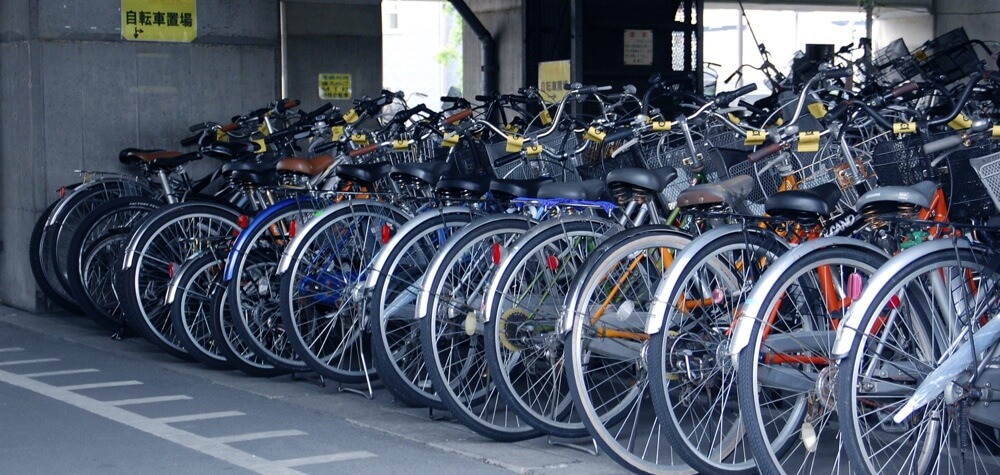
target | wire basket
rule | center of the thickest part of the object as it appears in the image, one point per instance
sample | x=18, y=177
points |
x=968, y=194
x=536, y=166
x=988, y=170
x=901, y=162
x=894, y=64
x=949, y=57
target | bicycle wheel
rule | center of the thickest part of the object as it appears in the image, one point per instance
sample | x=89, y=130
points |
x=253, y=281
x=230, y=345
x=785, y=377
x=322, y=301
x=164, y=241
x=66, y=219
x=692, y=382
x=43, y=266
x=196, y=284
x=94, y=257
x=606, y=345
x=923, y=321
x=393, y=284
x=524, y=350
x=451, y=330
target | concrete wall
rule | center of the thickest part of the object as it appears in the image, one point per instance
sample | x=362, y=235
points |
x=503, y=20
x=342, y=36
x=74, y=93
x=979, y=18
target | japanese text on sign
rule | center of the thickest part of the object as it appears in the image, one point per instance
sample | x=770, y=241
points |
x=159, y=20
x=552, y=76
x=334, y=86
x=638, y=47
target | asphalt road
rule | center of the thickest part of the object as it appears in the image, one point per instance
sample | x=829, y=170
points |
x=72, y=400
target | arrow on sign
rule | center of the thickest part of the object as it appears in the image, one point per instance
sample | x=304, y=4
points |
x=137, y=31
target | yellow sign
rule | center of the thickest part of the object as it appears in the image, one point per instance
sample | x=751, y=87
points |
x=960, y=122
x=159, y=20
x=755, y=137
x=904, y=128
x=552, y=76
x=809, y=141
x=334, y=86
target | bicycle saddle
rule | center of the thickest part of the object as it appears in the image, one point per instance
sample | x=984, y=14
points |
x=251, y=172
x=710, y=194
x=653, y=180
x=589, y=190
x=426, y=172
x=157, y=159
x=919, y=195
x=367, y=172
x=306, y=166
x=820, y=200
x=518, y=188
x=471, y=185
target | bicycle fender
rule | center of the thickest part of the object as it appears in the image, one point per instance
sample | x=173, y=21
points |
x=424, y=295
x=56, y=216
x=851, y=324
x=751, y=309
x=568, y=319
x=658, y=308
x=243, y=239
x=137, y=236
x=286, y=256
x=402, y=236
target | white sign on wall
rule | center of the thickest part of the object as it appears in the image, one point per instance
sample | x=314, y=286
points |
x=639, y=47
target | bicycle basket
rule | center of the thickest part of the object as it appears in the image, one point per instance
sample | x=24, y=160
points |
x=988, y=169
x=949, y=57
x=894, y=64
x=901, y=162
x=537, y=166
x=969, y=193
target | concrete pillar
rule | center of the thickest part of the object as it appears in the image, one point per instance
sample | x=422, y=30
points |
x=503, y=19
x=332, y=36
x=74, y=93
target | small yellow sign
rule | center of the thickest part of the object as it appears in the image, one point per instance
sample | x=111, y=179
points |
x=552, y=76
x=755, y=137
x=334, y=86
x=900, y=128
x=809, y=141
x=160, y=20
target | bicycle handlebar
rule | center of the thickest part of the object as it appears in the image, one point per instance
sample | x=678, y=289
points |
x=363, y=150
x=767, y=150
x=963, y=99
x=724, y=98
x=459, y=116
x=946, y=143
x=287, y=104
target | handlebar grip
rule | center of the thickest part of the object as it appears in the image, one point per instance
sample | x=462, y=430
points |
x=322, y=110
x=287, y=104
x=724, y=98
x=362, y=151
x=453, y=99
x=750, y=107
x=767, y=150
x=325, y=147
x=905, y=89
x=837, y=112
x=198, y=127
x=230, y=127
x=837, y=73
x=459, y=116
x=481, y=98
x=515, y=98
x=619, y=134
x=939, y=145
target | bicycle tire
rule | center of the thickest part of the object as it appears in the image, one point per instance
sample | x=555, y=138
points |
x=692, y=382
x=606, y=374
x=322, y=304
x=454, y=355
x=395, y=330
x=166, y=239
x=905, y=333
x=94, y=256
x=196, y=285
x=523, y=351
x=781, y=369
x=42, y=267
x=253, y=282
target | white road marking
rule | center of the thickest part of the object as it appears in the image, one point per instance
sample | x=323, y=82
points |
x=13, y=348
x=20, y=362
x=148, y=400
x=109, y=384
x=60, y=373
x=257, y=436
x=204, y=445
x=298, y=462
x=197, y=417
